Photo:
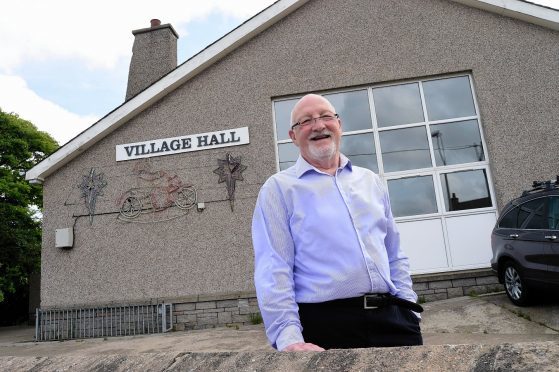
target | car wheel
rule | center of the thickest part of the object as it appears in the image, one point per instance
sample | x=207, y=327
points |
x=515, y=285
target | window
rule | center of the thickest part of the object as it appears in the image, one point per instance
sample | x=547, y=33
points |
x=360, y=149
x=282, y=111
x=509, y=220
x=398, y=104
x=412, y=196
x=456, y=143
x=553, y=213
x=465, y=190
x=422, y=137
x=353, y=108
x=531, y=215
x=404, y=149
x=448, y=98
x=288, y=154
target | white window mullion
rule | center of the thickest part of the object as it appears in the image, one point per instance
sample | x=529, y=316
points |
x=376, y=136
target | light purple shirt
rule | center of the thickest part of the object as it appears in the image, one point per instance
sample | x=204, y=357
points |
x=319, y=237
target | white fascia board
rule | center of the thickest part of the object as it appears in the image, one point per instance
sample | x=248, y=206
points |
x=164, y=86
x=521, y=10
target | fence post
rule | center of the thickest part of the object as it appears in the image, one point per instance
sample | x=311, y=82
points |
x=36, y=324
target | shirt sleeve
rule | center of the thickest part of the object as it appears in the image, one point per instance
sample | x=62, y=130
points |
x=397, y=259
x=273, y=272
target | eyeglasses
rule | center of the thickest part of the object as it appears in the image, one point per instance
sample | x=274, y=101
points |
x=324, y=118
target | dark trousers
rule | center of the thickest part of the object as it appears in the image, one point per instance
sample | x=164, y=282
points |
x=333, y=325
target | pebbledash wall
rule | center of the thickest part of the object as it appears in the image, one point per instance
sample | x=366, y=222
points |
x=200, y=258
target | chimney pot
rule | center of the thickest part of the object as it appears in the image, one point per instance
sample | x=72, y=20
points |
x=155, y=22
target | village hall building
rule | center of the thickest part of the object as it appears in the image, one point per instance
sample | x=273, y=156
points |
x=147, y=213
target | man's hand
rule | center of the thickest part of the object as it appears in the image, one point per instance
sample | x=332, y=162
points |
x=303, y=346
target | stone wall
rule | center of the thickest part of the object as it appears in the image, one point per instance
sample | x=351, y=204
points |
x=218, y=311
x=434, y=287
x=232, y=310
x=241, y=308
x=536, y=356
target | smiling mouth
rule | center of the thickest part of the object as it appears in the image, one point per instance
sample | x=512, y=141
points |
x=320, y=137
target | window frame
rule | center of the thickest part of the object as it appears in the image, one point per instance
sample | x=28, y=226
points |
x=433, y=170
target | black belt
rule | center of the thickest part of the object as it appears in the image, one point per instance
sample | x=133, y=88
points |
x=371, y=301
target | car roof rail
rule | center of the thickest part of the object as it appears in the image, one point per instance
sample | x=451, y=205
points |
x=542, y=186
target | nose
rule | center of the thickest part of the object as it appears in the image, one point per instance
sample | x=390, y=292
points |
x=317, y=124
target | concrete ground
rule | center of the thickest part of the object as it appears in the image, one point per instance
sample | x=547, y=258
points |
x=484, y=320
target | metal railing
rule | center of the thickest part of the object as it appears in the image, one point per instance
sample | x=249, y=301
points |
x=110, y=321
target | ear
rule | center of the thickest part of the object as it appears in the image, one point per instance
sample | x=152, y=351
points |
x=293, y=137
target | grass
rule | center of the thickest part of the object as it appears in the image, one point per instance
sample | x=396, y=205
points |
x=473, y=293
x=255, y=318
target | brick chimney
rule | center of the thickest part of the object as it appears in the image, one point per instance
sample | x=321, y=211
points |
x=154, y=54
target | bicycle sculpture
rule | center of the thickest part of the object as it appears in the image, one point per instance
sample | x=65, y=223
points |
x=164, y=190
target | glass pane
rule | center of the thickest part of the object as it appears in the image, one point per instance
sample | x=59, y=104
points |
x=509, y=220
x=537, y=220
x=288, y=154
x=465, y=190
x=531, y=214
x=412, y=196
x=360, y=149
x=353, y=108
x=456, y=143
x=523, y=214
x=404, y=149
x=553, y=213
x=399, y=104
x=282, y=110
x=448, y=98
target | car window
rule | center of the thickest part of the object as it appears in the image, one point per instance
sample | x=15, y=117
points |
x=509, y=220
x=553, y=213
x=531, y=215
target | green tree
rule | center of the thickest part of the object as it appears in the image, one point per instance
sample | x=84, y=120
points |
x=22, y=146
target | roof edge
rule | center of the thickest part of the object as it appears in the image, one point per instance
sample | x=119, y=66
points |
x=523, y=10
x=162, y=87
x=519, y=9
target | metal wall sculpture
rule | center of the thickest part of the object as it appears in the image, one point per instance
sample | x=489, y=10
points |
x=229, y=171
x=91, y=187
x=162, y=191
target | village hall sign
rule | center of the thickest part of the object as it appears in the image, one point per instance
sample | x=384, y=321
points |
x=175, y=145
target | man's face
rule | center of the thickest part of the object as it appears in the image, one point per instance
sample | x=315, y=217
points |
x=320, y=140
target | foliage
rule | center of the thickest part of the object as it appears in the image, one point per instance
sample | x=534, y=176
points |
x=22, y=146
x=255, y=318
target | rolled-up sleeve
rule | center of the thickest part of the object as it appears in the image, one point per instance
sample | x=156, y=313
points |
x=273, y=274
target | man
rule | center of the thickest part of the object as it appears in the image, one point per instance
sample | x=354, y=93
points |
x=324, y=237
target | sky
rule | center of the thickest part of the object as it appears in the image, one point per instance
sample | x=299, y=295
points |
x=64, y=63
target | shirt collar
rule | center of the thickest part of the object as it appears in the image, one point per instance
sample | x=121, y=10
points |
x=302, y=166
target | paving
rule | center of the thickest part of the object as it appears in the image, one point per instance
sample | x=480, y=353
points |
x=459, y=333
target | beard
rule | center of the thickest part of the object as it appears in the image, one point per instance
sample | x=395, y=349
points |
x=322, y=151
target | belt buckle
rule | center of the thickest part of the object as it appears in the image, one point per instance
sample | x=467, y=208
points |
x=365, y=297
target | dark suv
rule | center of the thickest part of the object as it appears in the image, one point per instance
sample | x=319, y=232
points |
x=525, y=242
